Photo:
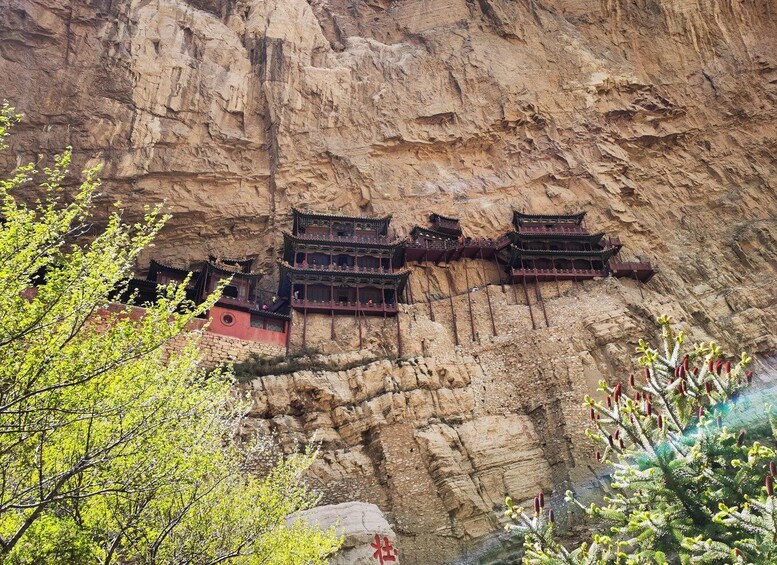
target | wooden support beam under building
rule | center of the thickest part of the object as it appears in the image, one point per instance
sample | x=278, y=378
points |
x=358, y=318
x=488, y=296
x=304, y=328
x=332, y=313
x=469, y=302
x=453, y=310
x=428, y=287
x=538, y=292
x=288, y=335
x=528, y=302
x=399, y=333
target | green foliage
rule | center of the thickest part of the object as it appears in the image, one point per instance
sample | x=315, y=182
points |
x=115, y=446
x=692, y=465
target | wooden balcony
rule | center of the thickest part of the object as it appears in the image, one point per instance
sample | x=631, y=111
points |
x=641, y=271
x=334, y=238
x=532, y=275
x=346, y=269
x=557, y=229
x=443, y=251
x=444, y=224
x=273, y=309
x=329, y=306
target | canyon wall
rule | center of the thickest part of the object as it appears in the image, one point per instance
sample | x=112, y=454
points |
x=657, y=117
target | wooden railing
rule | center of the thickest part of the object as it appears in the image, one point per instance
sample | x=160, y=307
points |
x=253, y=303
x=631, y=266
x=555, y=229
x=345, y=268
x=447, y=224
x=379, y=239
x=344, y=306
x=560, y=272
x=452, y=244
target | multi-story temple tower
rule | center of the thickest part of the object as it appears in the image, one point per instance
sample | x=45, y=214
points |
x=559, y=247
x=334, y=263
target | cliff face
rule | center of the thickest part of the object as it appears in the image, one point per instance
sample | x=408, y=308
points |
x=657, y=117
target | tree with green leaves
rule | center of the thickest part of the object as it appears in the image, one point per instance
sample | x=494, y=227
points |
x=692, y=461
x=116, y=446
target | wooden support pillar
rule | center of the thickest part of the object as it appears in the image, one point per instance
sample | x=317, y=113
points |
x=332, y=311
x=515, y=292
x=488, y=296
x=428, y=286
x=304, y=327
x=538, y=290
x=410, y=292
x=469, y=302
x=526, y=294
x=639, y=284
x=288, y=334
x=304, y=314
x=399, y=328
x=358, y=318
x=453, y=310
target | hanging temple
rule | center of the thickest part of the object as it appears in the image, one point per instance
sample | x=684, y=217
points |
x=350, y=265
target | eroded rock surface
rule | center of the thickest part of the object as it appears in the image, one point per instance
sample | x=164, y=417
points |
x=363, y=527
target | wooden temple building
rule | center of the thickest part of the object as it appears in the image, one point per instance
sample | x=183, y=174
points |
x=240, y=312
x=545, y=247
x=444, y=241
x=340, y=264
x=350, y=265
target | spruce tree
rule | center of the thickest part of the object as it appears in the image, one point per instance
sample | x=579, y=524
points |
x=692, y=465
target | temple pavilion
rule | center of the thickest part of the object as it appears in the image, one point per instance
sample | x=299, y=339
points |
x=444, y=241
x=559, y=247
x=241, y=312
x=334, y=263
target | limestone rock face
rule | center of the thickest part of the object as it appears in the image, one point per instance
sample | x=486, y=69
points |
x=359, y=524
x=656, y=117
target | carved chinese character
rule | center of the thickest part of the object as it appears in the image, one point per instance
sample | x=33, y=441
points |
x=384, y=552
